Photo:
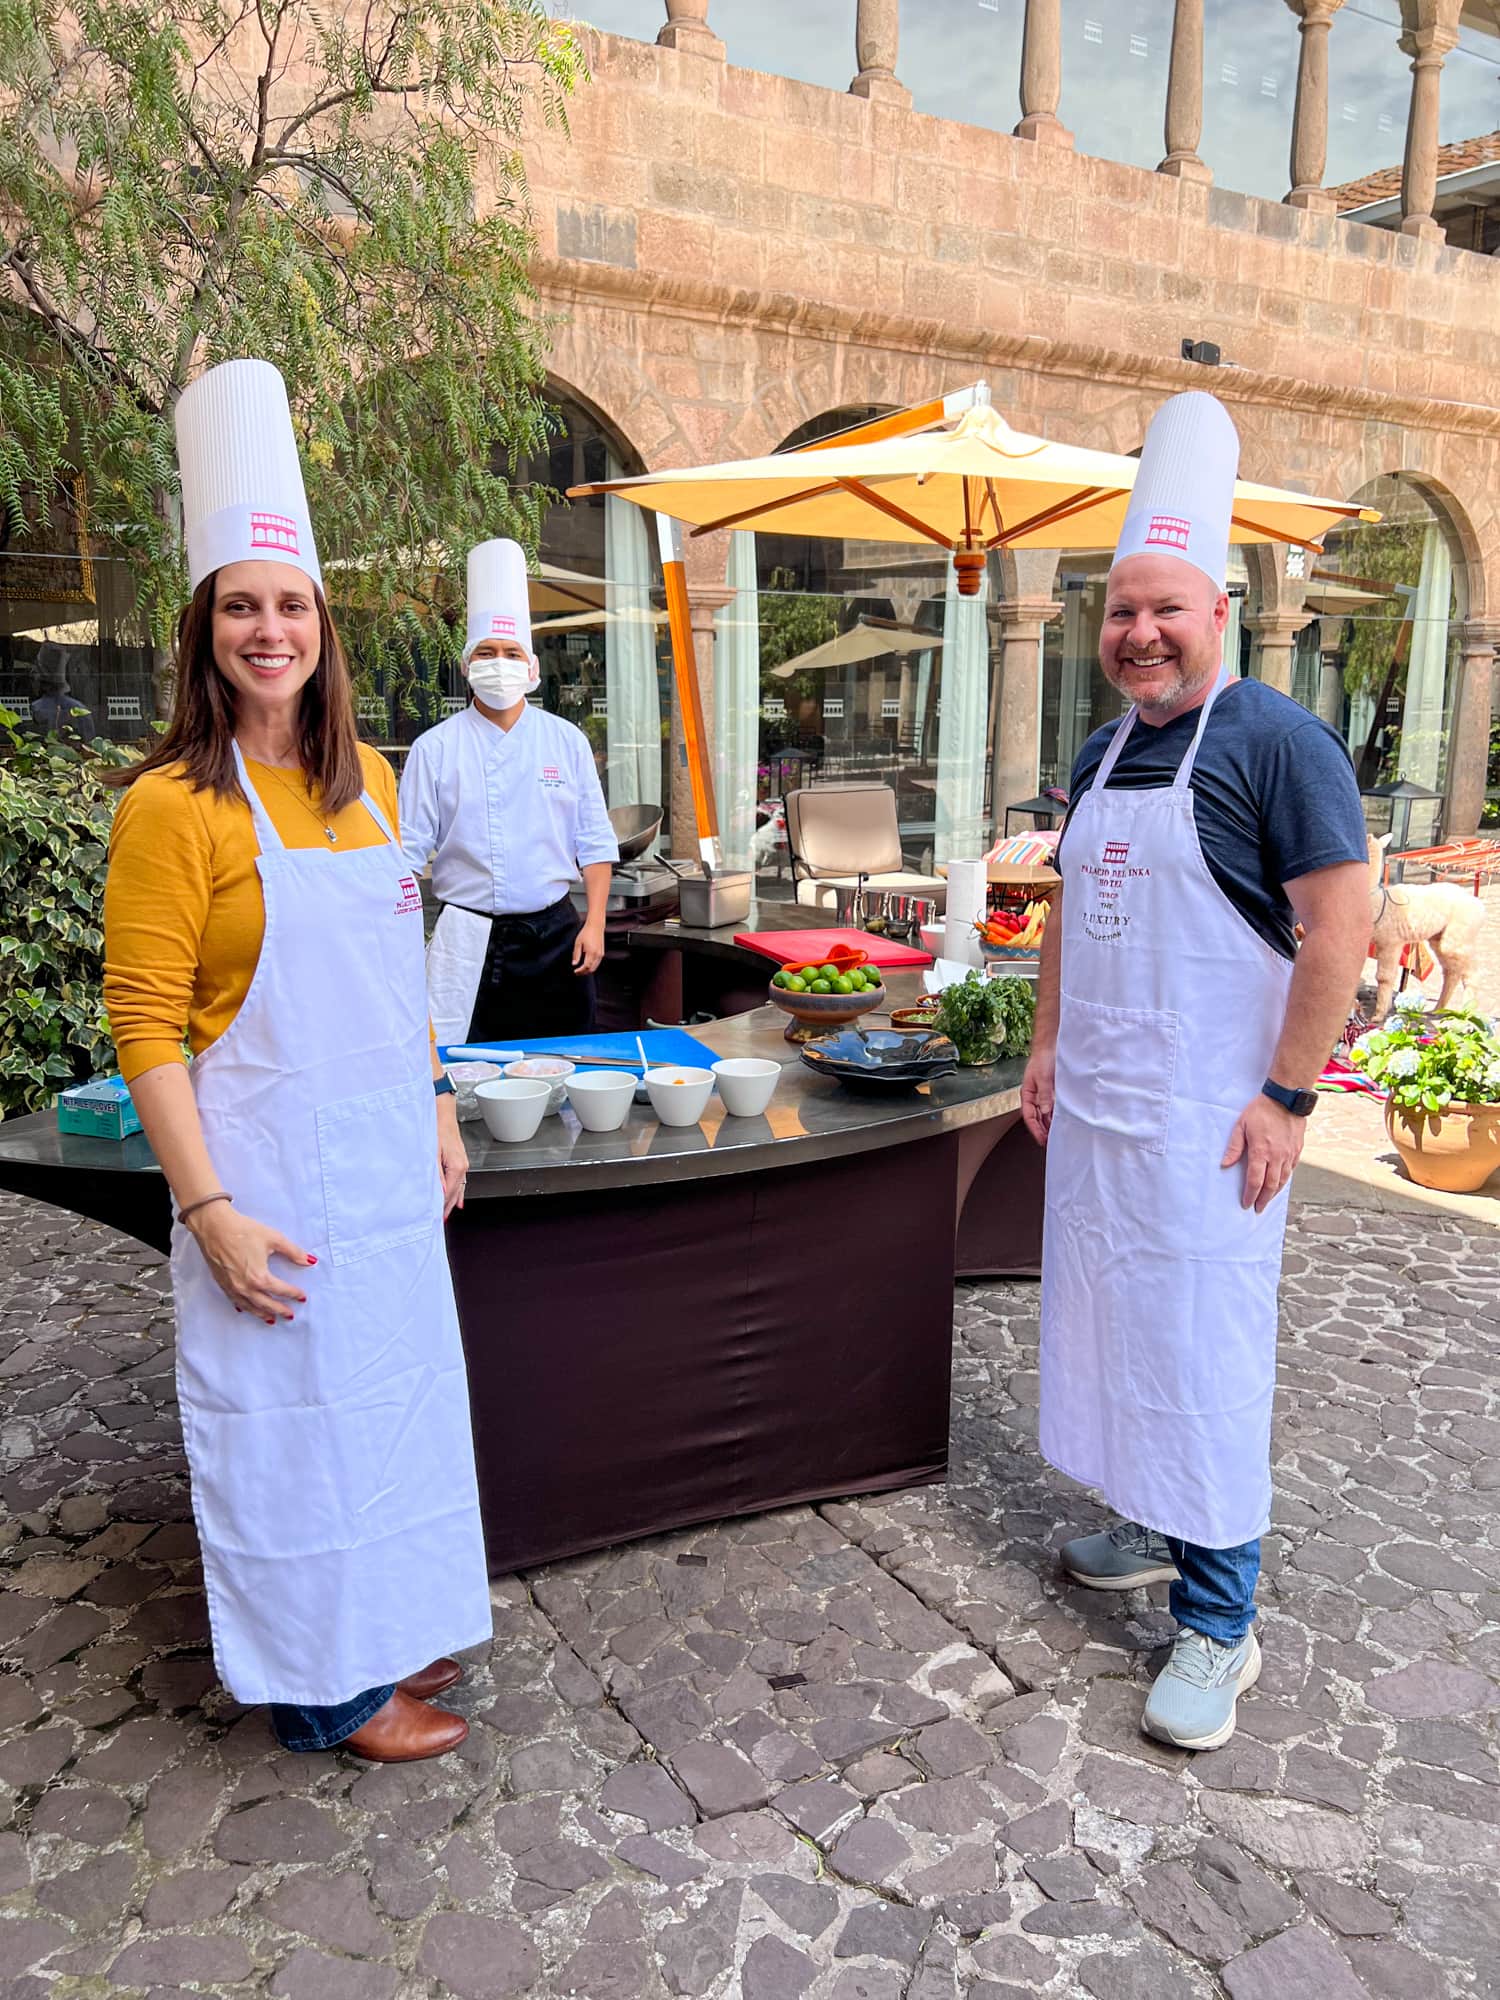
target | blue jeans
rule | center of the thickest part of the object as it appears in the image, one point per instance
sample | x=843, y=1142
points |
x=1215, y=1590
x=321, y=1728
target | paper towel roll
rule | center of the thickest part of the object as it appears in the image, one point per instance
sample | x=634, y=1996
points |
x=968, y=890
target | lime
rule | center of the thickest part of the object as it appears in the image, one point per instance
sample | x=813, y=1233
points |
x=821, y=986
x=828, y=972
x=794, y=984
x=842, y=985
x=782, y=979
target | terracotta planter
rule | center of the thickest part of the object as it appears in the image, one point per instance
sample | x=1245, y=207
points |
x=1456, y=1152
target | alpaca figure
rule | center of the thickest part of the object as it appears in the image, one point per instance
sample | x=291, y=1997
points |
x=1440, y=915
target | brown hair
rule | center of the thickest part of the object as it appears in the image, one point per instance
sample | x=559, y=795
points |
x=200, y=734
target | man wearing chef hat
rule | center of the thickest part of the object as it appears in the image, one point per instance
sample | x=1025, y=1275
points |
x=1179, y=1034
x=505, y=801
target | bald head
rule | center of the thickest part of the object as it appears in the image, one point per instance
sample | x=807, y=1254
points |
x=1163, y=634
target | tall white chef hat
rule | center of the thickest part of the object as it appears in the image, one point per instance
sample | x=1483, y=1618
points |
x=242, y=493
x=1184, y=491
x=499, y=607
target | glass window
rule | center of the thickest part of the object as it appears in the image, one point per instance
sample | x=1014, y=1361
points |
x=1076, y=698
x=1383, y=642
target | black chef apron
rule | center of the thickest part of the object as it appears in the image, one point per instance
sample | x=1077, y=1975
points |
x=528, y=987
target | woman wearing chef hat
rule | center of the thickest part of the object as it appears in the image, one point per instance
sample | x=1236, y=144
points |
x=505, y=802
x=259, y=905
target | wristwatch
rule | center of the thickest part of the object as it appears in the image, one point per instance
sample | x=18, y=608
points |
x=1301, y=1103
x=443, y=1086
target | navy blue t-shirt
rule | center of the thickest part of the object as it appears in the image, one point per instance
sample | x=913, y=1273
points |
x=1274, y=795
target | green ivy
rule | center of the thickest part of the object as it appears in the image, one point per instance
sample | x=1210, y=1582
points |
x=55, y=815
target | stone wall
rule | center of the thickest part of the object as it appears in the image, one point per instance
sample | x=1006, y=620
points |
x=732, y=253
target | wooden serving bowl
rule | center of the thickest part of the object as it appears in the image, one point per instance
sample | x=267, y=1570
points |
x=815, y=1013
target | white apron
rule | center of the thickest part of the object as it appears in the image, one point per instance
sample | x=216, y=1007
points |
x=332, y=1459
x=455, y=961
x=1158, y=1344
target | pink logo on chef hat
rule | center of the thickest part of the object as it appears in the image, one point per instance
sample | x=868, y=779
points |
x=502, y=628
x=274, y=531
x=1168, y=531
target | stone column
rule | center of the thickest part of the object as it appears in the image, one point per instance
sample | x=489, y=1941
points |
x=1330, y=688
x=1275, y=637
x=1041, y=74
x=1427, y=44
x=877, y=27
x=1310, y=118
x=1185, y=95
x=687, y=29
x=1016, y=701
x=1469, y=745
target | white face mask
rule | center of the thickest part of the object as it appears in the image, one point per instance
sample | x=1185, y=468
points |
x=500, y=683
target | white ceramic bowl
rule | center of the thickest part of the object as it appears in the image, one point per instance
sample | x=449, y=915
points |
x=513, y=1107
x=932, y=939
x=746, y=1084
x=601, y=1097
x=554, y=1069
x=679, y=1096
x=467, y=1077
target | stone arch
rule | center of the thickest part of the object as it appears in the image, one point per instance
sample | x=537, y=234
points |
x=559, y=390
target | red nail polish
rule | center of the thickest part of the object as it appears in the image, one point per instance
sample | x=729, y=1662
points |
x=312, y=1260
x=270, y=1321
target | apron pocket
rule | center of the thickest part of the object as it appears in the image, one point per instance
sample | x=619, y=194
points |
x=1114, y=1070
x=378, y=1158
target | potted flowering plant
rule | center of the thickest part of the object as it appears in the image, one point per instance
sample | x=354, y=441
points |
x=1441, y=1075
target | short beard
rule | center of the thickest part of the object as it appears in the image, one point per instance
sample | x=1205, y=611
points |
x=1179, y=690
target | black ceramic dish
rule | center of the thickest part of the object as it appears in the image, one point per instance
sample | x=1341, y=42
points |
x=880, y=1058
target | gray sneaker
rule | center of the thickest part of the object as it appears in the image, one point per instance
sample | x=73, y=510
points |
x=1122, y=1558
x=1192, y=1699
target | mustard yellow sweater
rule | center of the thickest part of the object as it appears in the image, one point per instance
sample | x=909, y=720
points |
x=183, y=911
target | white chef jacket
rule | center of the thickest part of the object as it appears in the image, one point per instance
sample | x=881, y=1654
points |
x=507, y=817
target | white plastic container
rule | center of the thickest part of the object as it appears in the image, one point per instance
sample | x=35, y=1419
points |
x=554, y=1070
x=746, y=1084
x=601, y=1098
x=467, y=1077
x=513, y=1107
x=679, y=1096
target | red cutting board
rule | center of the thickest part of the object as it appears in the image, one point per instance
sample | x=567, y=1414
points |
x=811, y=947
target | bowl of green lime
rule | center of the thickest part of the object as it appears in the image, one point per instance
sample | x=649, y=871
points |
x=820, y=997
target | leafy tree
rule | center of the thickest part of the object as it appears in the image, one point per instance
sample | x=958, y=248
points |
x=335, y=189
x=55, y=814
x=792, y=622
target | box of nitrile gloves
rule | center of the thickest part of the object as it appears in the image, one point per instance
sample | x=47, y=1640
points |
x=99, y=1109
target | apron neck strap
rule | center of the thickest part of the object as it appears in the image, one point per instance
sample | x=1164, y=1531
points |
x=378, y=816
x=270, y=840
x=1185, y=769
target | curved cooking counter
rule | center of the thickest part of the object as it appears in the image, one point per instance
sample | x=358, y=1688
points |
x=666, y=1325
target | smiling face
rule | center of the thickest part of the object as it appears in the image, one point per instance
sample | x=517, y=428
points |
x=1163, y=634
x=266, y=636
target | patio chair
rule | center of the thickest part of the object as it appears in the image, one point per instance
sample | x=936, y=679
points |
x=838, y=833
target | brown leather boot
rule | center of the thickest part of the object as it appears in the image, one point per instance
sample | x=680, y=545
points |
x=405, y=1731
x=444, y=1673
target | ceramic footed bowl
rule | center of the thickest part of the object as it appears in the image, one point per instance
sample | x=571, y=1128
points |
x=816, y=1013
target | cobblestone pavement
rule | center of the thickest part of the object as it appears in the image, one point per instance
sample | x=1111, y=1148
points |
x=871, y=1751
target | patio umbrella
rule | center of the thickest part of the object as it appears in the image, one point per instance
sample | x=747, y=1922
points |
x=595, y=621
x=861, y=642
x=967, y=484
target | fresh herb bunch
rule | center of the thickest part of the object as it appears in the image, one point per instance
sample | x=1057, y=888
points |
x=988, y=1020
x=1428, y=1062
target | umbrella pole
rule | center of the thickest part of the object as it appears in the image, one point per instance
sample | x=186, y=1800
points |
x=689, y=695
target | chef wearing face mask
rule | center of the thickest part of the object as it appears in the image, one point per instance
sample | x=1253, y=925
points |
x=505, y=802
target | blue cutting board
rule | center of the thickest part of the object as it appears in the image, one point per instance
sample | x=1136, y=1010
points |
x=662, y=1045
